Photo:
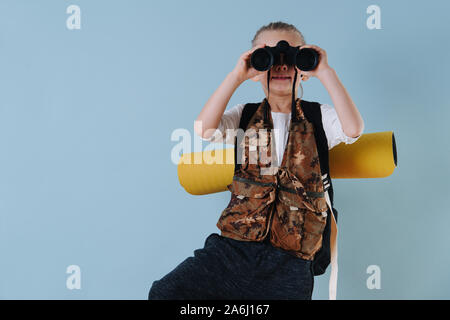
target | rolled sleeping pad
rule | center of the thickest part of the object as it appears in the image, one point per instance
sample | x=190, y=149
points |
x=373, y=155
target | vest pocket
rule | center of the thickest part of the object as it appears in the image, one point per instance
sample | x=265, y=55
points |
x=295, y=226
x=313, y=201
x=287, y=222
x=312, y=230
x=248, y=211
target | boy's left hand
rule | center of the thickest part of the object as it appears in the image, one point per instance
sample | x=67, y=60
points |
x=321, y=66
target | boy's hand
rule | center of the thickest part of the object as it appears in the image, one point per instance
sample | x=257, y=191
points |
x=243, y=69
x=321, y=66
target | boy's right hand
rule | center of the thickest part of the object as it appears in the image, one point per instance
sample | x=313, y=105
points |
x=243, y=69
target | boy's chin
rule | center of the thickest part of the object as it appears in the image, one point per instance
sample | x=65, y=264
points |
x=280, y=91
x=282, y=87
x=281, y=82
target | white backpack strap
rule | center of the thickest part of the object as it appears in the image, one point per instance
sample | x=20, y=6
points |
x=333, y=245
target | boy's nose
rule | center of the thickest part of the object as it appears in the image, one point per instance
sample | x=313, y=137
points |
x=282, y=65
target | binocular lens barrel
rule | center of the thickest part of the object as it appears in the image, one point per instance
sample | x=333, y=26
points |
x=307, y=59
x=263, y=59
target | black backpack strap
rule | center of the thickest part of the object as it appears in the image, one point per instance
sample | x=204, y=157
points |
x=313, y=113
x=247, y=113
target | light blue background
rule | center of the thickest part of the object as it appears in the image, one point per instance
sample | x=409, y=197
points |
x=86, y=116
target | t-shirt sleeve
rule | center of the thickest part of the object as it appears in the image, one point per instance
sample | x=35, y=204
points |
x=333, y=127
x=229, y=121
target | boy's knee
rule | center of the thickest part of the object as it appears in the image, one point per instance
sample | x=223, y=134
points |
x=161, y=290
x=154, y=293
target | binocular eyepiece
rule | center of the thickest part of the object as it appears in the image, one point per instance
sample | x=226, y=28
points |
x=263, y=59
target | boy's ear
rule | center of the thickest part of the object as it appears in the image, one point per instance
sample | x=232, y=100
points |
x=304, y=77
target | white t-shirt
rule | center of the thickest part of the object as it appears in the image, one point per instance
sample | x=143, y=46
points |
x=281, y=121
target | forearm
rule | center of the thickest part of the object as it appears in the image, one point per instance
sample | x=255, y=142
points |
x=210, y=115
x=348, y=114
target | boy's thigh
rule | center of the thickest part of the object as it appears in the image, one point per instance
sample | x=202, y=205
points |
x=206, y=275
x=293, y=280
x=300, y=289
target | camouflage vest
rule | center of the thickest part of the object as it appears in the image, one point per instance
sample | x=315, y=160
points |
x=285, y=202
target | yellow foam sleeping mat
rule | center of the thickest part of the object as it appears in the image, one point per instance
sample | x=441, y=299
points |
x=373, y=155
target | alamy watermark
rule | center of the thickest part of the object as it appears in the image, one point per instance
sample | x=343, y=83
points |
x=73, y=281
x=374, y=280
x=374, y=20
x=255, y=141
x=73, y=22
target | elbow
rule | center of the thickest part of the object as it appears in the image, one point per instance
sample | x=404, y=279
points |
x=198, y=128
x=201, y=132
x=361, y=129
x=355, y=132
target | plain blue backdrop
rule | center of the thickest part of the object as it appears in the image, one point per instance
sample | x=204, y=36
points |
x=86, y=116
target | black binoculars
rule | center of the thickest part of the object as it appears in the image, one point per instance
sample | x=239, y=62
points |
x=305, y=59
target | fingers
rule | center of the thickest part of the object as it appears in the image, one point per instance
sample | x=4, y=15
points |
x=312, y=46
x=247, y=54
x=262, y=45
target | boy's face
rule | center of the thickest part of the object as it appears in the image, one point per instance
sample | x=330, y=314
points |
x=279, y=86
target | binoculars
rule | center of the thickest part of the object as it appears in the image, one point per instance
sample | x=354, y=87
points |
x=263, y=59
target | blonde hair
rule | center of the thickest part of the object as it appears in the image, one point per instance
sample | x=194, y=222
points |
x=279, y=25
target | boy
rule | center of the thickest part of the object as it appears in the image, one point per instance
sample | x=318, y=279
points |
x=253, y=259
